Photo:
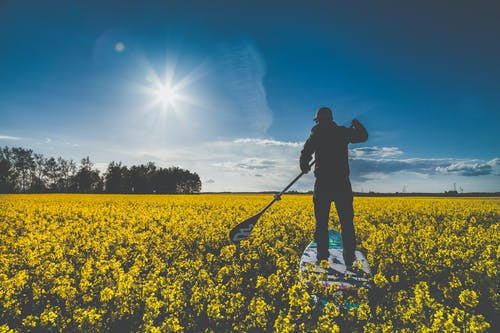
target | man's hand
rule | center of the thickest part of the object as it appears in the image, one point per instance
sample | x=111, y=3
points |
x=304, y=166
x=358, y=132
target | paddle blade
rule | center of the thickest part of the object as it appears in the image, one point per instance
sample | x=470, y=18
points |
x=242, y=230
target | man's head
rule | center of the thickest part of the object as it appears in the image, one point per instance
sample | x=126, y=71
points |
x=324, y=114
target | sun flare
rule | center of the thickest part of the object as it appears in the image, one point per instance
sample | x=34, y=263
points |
x=166, y=96
x=167, y=93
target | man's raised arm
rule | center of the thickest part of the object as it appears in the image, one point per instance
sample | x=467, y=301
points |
x=358, y=132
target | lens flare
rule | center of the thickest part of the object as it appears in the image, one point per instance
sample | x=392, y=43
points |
x=119, y=47
x=167, y=93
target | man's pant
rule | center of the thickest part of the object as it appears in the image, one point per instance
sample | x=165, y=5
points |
x=340, y=192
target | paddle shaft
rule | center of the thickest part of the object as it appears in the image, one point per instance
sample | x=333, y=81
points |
x=277, y=197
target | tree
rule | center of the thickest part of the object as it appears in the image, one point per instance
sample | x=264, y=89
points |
x=193, y=183
x=141, y=178
x=87, y=179
x=38, y=180
x=5, y=169
x=187, y=182
x=24, y=168
x=23, y=171
x=51, y=172
x=116, y=178
x=164, y=181
x=176, y=180
x=67, y=171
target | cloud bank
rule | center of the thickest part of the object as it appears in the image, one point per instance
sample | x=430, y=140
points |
x=362, y=169
x=265, y=164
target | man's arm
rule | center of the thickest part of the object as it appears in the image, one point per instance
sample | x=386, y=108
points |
x=307, y=151
x=358, y=132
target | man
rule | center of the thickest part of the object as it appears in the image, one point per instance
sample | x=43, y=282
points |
x=329, y=144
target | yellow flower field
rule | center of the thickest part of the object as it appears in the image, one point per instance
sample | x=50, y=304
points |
x=151, y=263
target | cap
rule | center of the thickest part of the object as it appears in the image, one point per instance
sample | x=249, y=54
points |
x=324, y=113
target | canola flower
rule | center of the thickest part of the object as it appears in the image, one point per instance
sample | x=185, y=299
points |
x=100, y=263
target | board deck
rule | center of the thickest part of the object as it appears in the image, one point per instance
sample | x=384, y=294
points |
x=337, y=273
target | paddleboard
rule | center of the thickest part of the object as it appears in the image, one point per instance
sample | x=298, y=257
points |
x=335, y=274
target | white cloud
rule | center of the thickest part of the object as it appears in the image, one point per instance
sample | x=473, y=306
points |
x=59, y=144
x=242, y=69
x=375, y=152
x=248, y=164
x=8, y=137
x=269, y=142
x=494, y=162
x=469, y=168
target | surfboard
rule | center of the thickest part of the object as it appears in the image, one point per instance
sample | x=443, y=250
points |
x=336, y=274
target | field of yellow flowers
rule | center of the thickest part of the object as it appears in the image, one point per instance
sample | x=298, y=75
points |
x=127, y=263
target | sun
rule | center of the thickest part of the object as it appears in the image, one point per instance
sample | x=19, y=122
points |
x=166, y=92
x=167, y=96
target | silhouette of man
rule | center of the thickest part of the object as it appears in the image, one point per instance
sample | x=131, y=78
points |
x=328, y=142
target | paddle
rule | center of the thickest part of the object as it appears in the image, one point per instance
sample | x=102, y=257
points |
x=243, y=229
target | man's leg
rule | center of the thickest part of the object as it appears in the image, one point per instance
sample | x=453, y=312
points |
x=343, y=204
x=321, y=211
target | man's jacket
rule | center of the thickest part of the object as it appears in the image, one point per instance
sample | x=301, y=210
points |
x=329, y=144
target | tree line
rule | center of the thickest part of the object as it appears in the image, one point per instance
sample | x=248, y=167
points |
x=24, y=171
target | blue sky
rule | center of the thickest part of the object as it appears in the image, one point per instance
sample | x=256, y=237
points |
x=229, y=89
